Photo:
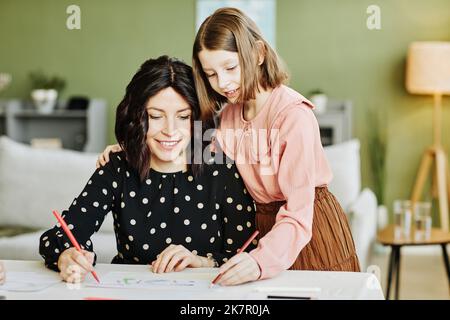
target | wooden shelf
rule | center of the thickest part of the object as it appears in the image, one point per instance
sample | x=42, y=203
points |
x=336, y=122
x=55, y=114
x=82, y=130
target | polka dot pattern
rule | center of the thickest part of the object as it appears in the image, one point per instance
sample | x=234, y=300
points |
x=210, y=214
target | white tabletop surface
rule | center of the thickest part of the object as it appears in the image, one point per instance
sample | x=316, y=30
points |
x=327, y=285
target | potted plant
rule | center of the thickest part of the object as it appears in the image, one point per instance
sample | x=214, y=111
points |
x=5, y=80
x=377, y=144
x=319, y=99
x=45, y=90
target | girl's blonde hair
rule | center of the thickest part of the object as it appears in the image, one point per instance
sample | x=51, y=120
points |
x=232, y=30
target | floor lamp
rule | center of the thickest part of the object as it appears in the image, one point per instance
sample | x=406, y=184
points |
x=428, y=72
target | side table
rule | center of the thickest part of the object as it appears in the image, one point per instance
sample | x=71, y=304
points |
x=388, y=237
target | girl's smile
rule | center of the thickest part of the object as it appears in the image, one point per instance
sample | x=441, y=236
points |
x=223, y=71
x=232, y=94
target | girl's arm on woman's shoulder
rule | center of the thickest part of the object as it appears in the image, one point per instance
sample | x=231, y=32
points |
x=103, y=158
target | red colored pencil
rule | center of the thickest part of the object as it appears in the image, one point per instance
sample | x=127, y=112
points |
x=246, y=244
x=71, y=237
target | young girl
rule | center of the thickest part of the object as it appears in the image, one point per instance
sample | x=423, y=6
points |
x=272, y=134
x=166, y=212
x=235, y=66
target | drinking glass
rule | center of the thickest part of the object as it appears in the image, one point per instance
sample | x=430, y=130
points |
x=402, y=218
x=422, y=220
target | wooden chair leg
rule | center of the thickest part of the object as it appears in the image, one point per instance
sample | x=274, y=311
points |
x=434, y=182
x=448, y=181
x=441, y=164
x=422, y=175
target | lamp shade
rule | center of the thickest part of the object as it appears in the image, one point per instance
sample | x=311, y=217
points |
x=428, y=68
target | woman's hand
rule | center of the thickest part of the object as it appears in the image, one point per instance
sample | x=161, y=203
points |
x=177, y=258
x=74, y=265
x=2, y=273
x=239, y=269
x=103, y=158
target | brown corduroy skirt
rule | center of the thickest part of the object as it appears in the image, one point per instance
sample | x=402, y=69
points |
x=331, y=247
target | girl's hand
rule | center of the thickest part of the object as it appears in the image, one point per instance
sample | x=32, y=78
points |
x=176, y=258
x=74, y=265
x=2, y=273
x=239, y=269
x=103, y=158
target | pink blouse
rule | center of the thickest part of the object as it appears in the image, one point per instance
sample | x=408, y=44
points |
x=280, y=157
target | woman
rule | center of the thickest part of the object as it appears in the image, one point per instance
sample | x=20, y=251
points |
x=167, y=210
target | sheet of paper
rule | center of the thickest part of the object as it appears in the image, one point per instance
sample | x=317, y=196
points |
x=138, y=280
x=28, y=281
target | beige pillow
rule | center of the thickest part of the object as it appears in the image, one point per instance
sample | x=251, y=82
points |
x=35, y=181
x=345, y=163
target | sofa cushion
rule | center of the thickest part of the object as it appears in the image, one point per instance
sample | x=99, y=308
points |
x=345, y=163
x=35, y=181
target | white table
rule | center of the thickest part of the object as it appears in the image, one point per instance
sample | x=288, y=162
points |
x=333, y=285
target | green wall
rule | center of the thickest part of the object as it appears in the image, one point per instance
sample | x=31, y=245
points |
x=99, y=59
x=325, y=44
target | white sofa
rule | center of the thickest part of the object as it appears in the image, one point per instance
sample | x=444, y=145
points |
x=34, y=181
x=359, y=204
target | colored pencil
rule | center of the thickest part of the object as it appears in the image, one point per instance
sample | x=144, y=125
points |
x=246, y=244
x=71, y=237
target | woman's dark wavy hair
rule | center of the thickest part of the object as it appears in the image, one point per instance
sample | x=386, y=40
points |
x=131, y=126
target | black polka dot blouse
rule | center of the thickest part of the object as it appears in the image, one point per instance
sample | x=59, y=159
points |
x=212, y=215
